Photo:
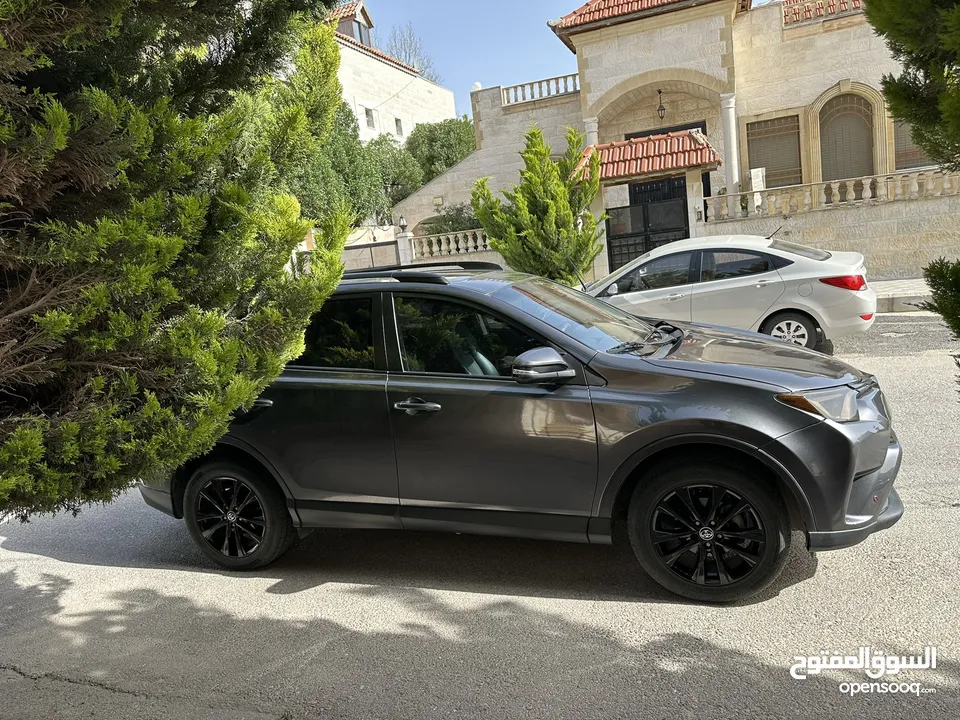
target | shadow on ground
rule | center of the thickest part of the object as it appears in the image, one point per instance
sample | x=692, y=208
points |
x=128, y=534
x=149, y=654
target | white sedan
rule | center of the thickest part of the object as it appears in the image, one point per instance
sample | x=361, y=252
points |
x=792, y=292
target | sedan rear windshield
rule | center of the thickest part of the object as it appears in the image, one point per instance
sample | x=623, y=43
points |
x=801, y=250
x=591, y=322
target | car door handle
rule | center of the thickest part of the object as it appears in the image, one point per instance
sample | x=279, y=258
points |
x=764, y=283
x=263, y=403
x=675, y=296
x=415, y=406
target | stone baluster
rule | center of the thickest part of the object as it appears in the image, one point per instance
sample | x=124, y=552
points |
x=867, y=190
x=851, y=190
x=947, y=185
x=807, y=198
x=834, y=192
x=914, y=186
x=822, y=194
x=882, y=189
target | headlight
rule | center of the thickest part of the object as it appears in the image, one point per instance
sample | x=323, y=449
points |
x=838, y=404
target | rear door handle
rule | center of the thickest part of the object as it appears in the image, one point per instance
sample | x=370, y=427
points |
x=764, y=283
x=263, y=403
x=677, y=296
x=415, y=406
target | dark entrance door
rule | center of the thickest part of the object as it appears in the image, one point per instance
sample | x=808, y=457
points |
x=657, y=213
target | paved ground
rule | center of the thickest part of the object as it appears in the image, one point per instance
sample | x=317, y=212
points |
x=114, y=614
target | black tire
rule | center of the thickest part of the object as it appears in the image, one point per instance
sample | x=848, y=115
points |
x=826, y=347
x=222, y=487
x=767, y=518
x=793, y=323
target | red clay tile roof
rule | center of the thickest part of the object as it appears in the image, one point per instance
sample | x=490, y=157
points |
x=374, y=52
x=653, y=155
x=343, y=11
x=597, y=10
x=798, y=11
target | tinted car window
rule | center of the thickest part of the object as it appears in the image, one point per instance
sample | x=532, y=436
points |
x=594, y=323
x=727, y=264
x=442, y=336
x=340, y=336
x=663, y=272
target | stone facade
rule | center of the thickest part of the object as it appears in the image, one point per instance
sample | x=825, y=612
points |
x=370, y=82
x=721, y=67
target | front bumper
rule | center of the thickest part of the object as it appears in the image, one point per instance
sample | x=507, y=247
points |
x=845, y=474
x=838, y=539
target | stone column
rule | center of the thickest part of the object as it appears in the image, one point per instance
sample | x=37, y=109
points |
x=405, y=247
x=592, y=127
x=695, y=203
x=601, y=265
x=731, y=149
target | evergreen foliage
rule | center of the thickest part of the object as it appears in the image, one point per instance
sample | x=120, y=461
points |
x=546, y=227
x=148, y=282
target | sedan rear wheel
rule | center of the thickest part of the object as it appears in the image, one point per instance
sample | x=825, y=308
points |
x=792, y=328
x=709, y=533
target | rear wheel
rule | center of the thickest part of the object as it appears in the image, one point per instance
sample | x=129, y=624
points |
x=708, y=532
x=792, y=328
x=239, y=519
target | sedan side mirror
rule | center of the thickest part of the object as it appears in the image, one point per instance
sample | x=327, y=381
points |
x=613, y=290
x=541, y=365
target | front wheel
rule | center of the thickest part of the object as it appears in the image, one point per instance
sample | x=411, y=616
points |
x=709, y=533
x=239, y=519
x=792, y=328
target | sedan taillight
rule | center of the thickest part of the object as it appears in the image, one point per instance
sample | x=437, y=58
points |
x=846, y=282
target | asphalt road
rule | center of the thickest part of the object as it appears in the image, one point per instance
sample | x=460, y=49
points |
x=114, y=614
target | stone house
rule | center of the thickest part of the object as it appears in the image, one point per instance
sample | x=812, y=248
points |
x=715, y=117
x=387, y=96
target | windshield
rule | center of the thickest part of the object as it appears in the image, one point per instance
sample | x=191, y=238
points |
x=590, y=321
x=801, y=250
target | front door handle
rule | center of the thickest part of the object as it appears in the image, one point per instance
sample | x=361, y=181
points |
x=263, y=403
x=415, y=406
x=676, y=296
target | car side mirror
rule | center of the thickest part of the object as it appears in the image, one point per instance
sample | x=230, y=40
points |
x=612, y=290
x=541, y=365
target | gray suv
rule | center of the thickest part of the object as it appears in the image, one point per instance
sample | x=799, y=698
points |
x=469, y=399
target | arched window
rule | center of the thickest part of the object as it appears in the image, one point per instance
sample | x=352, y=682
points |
x=846, y=138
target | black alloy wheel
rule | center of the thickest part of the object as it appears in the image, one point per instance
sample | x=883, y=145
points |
x=707, y=534
x=709, y=529
x=238, y=518
x=230, y=517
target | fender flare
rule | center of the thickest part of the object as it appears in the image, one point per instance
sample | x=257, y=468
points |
x=258, y=457
x=607, y=496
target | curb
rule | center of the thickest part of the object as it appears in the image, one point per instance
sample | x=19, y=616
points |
x=900, y=303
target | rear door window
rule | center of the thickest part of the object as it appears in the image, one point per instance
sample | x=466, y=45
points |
x=340, y=336
x=729, y=264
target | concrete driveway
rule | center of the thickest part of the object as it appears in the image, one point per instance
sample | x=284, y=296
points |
x=114, y=614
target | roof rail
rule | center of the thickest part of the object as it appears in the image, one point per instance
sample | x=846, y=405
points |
x=453, y=265
x=399, y=275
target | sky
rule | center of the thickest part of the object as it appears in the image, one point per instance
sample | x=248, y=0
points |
x=495, y=42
